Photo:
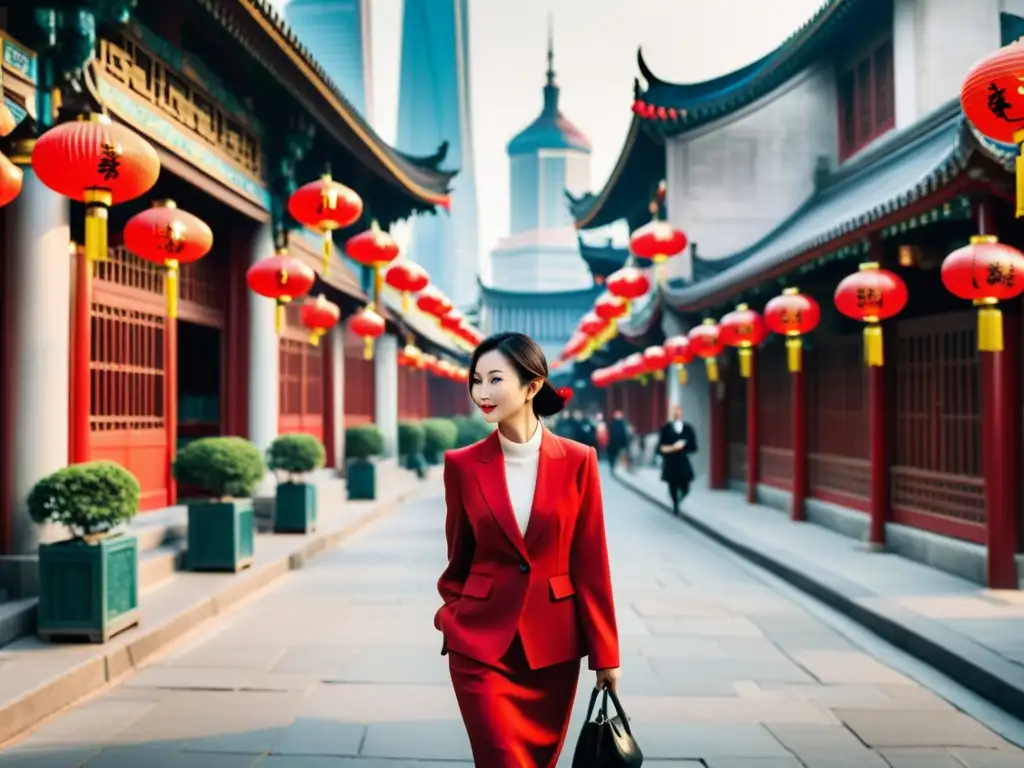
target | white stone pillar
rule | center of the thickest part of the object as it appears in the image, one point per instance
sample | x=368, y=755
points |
x=336, y=339
x=905, y=61
x=38, y=237
x=385, y=369
x=263, y=353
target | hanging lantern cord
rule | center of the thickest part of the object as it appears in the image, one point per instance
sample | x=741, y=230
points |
x=328, y=250
x=171, y=287
x=1018, y=139
x=279, y=306
x=682, y=373
x=874, y=355
x=794, y=353
x=990, y=325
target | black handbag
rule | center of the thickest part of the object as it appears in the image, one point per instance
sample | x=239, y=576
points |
x=606, y=742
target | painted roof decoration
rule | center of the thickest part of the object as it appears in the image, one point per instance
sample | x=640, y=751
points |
x=902, y=170
x=671, y=108
x=551, y=129
x=247, y=20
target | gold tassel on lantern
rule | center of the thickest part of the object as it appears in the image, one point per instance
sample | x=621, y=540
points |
x=682, y=373
x=314, y=337
x=659, y=375
x=279, y=305
x=367, y=347
x=746, y=355
x=405, y=302
x=328, y=250
x=873, y=347
x=990, y=326
x=378, y=280
x=794, y=354
x=97, y=201
x=712, y=365
x=1018, y=139
x=171, y=287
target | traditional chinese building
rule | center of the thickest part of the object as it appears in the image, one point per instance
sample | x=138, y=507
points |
x=92, y=365
x=844, y=145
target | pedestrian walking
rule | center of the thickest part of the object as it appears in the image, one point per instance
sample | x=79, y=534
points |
x=618, y=438
x=676, y=442
x=600, y=434
x=527, y=591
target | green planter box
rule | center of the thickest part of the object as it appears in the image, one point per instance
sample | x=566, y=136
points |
x=220, y=535
x=432, y=459
x=88, y=590
x=361, y=479
x=295, y=508
x=416, y=463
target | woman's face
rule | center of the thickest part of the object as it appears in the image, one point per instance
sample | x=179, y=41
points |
x=496, y=389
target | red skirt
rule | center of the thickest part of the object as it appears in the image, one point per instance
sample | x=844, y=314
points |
x=516, y=717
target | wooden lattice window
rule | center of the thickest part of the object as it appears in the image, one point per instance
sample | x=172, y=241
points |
x=413, y=396
x=301, y=387
x=360, y=381
x=867, y=102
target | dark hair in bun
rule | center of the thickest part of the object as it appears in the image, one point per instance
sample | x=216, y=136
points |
x=526, y=356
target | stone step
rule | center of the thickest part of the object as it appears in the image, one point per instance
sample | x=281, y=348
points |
x=158, y=564
x=17, y=618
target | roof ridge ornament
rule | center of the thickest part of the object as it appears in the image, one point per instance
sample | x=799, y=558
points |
x=645, y=70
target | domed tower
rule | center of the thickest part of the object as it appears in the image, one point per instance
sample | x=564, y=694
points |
x=548, y=157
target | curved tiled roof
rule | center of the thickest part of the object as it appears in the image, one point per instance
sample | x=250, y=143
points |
x=258, y=21
x=676, y=107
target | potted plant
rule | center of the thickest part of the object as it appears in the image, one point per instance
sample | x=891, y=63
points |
x=362, y=443
x=221, y=527
x=440, y=435
x=292, y=458
x=410, y=446
x=470, y=429
x=88, y=584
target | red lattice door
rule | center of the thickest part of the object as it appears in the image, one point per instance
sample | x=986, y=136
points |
x=301, y=388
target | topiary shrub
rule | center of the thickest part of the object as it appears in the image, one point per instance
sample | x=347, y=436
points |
x=363, y=442
x=89, y=498
x=223, y=467
x=295, y=455
x=411, y=437
x=440, y=436
x=470, y=429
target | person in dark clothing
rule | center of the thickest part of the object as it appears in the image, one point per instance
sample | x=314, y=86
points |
x=676, y=442
x=618, y=438
x=586, y=432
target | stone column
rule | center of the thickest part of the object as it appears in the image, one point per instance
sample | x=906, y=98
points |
x=385, y=368
x=38, y=315
x=263, y=353
x=336, y=339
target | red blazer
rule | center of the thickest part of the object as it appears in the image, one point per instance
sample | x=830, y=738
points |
x=553, y=585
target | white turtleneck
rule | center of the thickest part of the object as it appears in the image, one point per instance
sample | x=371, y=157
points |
x=521, y=462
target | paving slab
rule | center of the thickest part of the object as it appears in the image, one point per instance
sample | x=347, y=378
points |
x=973, y=635
x=337, y=665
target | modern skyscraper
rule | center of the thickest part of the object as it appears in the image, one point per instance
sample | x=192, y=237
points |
x=434, y=108
x=337, y=33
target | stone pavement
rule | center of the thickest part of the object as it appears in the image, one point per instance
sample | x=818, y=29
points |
x=974, y=635
x=338, y=665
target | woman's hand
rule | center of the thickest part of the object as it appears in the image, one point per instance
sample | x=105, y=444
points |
x=607, y=678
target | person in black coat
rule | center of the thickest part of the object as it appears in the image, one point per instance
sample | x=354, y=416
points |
x=676, y=442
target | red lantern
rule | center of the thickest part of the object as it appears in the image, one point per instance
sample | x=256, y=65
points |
x=11, y=177
x=373, y=248
x=705, y=343
x=325, y=205
x=609, y=307
x=992, y=98
x=282, y=278
x=871, y=295
x=411, y=356
x=792, y=315
x=168, y=237
x=633, y=366
x=628, y=283
x=656, y=360
x=657, y=241
x=678, y=350
x=407, y=277
x=432, y=302
x=744, y=329
x=985, y=272
x=452, y=320
x=319, y=315
x=369, y=325
x=98, y=163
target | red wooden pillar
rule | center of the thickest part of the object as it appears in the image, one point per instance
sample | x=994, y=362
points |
x=719, y=453
x=81, y=357
x=328, y=401
x=753, y=439
x=235, y=351
x=798, y=414
x=1001, y=439
x=171, y=398
x=878, y=450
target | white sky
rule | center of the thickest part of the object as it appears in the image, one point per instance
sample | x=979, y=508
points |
x=595, y=58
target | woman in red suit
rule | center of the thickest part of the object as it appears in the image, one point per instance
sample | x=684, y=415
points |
x=527, y=591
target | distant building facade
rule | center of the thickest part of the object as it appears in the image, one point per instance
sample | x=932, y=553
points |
x=337, y=33
x=548, y=157
x=434, y=108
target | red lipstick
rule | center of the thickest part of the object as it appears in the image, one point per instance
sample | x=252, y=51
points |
x=487, y=408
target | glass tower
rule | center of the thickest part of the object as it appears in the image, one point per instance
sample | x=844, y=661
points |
x=337, y=33
x=434, y=107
